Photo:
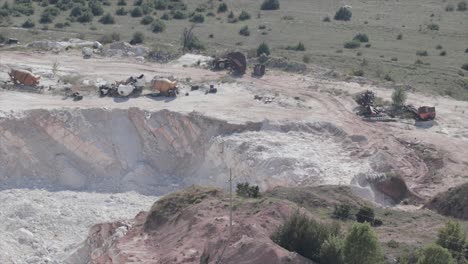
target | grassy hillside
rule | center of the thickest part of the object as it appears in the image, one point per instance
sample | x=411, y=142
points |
x=425, y=27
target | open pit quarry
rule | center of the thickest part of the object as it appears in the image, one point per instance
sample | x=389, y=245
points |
x=65, y=165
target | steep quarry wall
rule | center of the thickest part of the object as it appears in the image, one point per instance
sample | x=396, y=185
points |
x=154, y=153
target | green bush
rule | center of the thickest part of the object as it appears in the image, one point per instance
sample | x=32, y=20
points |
x=306, y=59
x=122, y=3
x=400, y=36
x=121, y=12
x=137, y=2
x=245, y=190
x=433, y=26
x=85, y=17
x=60, y=25
x=179, y=15
x=361, y=37
x=449, y=8
x=2, y=38
x=452, y=237
x=46, y=18
x=160, y=5
x=303, y=235
x=443, y=53
x=331, y=251
x=165, y=16
x=138, y=38
x=465, y=66
x=263, y=49
x=222, y=8
x=158, y=26
x=244, y=15
x=198, y=18
x=353, y=44
x=365, y=214
x=96, y=7
x=399, y=96
x=342, y=211
x=422, y=53
x=107, y=19
x=244, y=31
x=136, y=12
x=201, y=8
x=26, y=9
x=28, y=24
x=393, y=244
x=435, y=254
x=343, y=14
x=326, y=19
x=362, y=246
x=299, y=47
x=439, y=47
x=270, y=5
x=146, y=8
x=461, y=6
x=109, y=38
x=146, y=20
x=77, y=10
x=64, y=4
x=53, y=11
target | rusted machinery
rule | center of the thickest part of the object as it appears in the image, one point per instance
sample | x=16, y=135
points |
x=165, y=87
x=259, y=70
x=234, y=61
x=423, y=113
x=368, y=110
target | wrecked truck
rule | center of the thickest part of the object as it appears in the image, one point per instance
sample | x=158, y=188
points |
x=123, y=88
x=165, y=87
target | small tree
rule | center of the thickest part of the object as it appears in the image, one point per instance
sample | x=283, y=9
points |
x=270, y=5
x=86, y=16
x=28, y=24
x=146, y=20
x=136, y=12
x=107, y=19
x=96, y=7
x=121, y=12
x=244, y=15
x=263, y=49
x=198, y=18
x=361, y=37
x=362, y=246
x=342, y=211
x=461, y=6
x=399, y=96
x=189, y=41
x=158, y=26
x=331, y=251
x=179, y=15
x=160, y=5
x=452, y=237
x=365, y=214
x=122, y=3
x=138, y=38
x=222, y=8
x=435, y=254
x=343, y=14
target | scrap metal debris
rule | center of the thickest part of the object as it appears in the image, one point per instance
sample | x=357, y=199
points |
x=123, y=88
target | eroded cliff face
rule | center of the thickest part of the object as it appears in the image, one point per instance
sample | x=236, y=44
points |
x=159, y=152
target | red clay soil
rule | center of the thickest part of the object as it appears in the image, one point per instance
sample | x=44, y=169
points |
x=192, y=226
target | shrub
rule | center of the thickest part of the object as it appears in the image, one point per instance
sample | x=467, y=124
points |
x=304, y=235
x=198, y=18
x=263, y=49
x=158, y=26
x=433, y=26
x=393, y=244
x=353, y=44
x=136, y=12
x=388, y=78
x=22, y=8
x=439, y=47
x=96, y=7
x=165, y=16
x=465, y=66
x=434, y=254
x=422, y=53
x=179, y=15
x=222, y=8
x=452, y=237
x=368, y=45
x=343, y=14
x=326, y=19
x=189, y=41
x=306, y=59
x=109, y=38
x=122, y=3
x=264, y=27
x=138, y=38
x=331, y=251
x=365, y=214
x=341, y=211
x=160, y=5
x=137, y=2
x=418, y=62
x=244, y=15
x=2, y=38
x=107, y=19
x=362, y=246
x=449, y=8
x=399, y=96
x=146, y=20
x=245, y=190
x=146, y=8
x=244, y=31
x=466, y=50
x=77, y=11
x=461, y=6
x=46, y=18
x=399, y=37
x=121, y=12
x=299, y=47
x=443, y=53
x=359, y=73
x=270, y=5
x=53, y=11
x=28, y=24
x=361, y=37
x=201, y=8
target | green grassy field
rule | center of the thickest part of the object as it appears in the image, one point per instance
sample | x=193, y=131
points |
x=301, y=21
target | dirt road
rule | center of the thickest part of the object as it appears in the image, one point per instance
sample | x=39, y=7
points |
x=295, y=98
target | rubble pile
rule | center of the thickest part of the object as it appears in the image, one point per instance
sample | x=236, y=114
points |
x=125, y=49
